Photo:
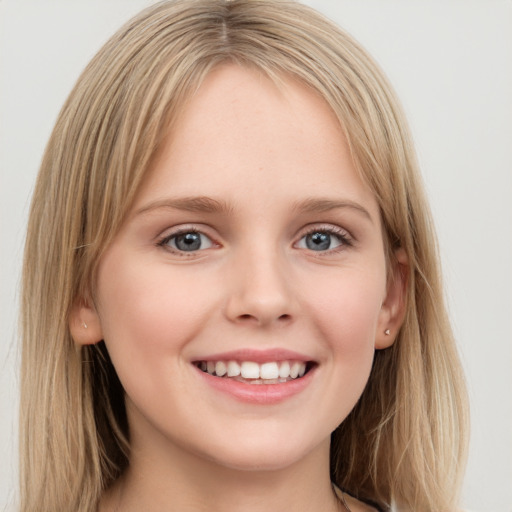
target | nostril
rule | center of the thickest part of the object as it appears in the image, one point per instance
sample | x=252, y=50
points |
x=247, y=317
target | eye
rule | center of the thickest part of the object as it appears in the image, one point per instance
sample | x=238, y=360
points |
x=323, y=240
x=187, y=241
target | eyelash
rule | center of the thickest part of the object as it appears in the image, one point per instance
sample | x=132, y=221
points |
x=163, y=242
x=342, y=235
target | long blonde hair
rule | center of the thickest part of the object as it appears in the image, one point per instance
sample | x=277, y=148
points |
x=405, y=441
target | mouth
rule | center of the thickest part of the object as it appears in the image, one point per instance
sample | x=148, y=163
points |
x=251, y=372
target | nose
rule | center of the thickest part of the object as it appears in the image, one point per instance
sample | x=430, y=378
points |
x=261, y=291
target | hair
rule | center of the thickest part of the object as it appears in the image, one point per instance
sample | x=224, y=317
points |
x=404, y=443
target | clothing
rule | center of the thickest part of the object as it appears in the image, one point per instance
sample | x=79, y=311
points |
x=339, y=492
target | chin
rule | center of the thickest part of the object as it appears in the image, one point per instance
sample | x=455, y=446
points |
x=257, y=461
x=264, y=452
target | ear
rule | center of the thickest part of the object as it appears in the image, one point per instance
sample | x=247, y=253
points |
x=393, y=309
x=84, y=323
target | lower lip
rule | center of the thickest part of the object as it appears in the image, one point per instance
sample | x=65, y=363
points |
x=263, y=394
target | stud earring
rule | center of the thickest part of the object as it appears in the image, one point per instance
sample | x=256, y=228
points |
x=387, y=332
x=85, y=325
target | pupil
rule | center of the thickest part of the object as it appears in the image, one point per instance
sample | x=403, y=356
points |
x=318, y=241
x=188, y=242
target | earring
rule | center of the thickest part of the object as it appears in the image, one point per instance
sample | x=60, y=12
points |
x=387, y=332
x=85, y=325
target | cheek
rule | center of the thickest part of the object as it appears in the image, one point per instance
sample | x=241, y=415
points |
x=345, y=318
x=147, y=312
x=348, y=312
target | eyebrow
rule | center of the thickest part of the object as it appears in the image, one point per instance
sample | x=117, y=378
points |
x=319, y=205
x=206, y=204
x=191, y=204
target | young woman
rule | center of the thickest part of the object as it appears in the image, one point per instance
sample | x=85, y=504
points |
x=232, y=298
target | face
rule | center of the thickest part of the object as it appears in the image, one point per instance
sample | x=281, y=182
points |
x=244, y=297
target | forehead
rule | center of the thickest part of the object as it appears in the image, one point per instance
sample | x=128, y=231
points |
x=242, y=133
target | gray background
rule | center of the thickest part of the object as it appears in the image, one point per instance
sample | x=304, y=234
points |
x=451, y=63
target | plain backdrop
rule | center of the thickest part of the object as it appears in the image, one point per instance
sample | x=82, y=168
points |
x=451, y=63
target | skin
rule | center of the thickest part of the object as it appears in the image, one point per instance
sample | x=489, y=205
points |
x=267, y=155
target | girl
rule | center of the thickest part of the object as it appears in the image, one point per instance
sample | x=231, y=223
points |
x=240, y=305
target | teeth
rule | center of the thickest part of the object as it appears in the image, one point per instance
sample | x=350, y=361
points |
x=269, y=371
x=284, y=370
x=220, y=368
x=250, y=370
x=294, y=370
x=272, y=372
x=269, y=381
x=233, y=369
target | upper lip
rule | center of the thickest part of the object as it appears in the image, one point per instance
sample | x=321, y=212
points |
x=256, y=355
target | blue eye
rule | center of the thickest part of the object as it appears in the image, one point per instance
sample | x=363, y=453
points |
x=322, y=240
x=188, y=241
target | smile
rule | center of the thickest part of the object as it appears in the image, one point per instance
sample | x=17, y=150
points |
x=259, y=377
x=250, y=372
